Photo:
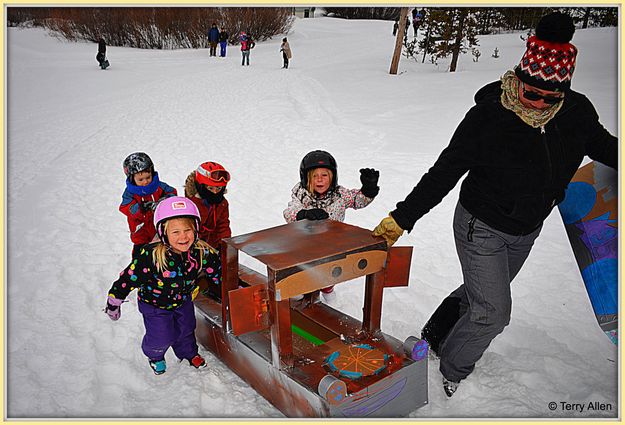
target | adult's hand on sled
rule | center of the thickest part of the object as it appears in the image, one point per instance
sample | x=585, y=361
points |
x=389, y=230
x=113, y=308
x=369, y=179
x=312, y=214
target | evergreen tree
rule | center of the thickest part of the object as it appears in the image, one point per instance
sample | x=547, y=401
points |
x=453, y=31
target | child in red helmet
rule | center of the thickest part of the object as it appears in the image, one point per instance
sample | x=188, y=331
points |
x=142, y=193
x=164, y=274
x=206, y=187
x=318, y=196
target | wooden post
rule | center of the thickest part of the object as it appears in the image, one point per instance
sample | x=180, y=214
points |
x=399, y=40
x=372, y=310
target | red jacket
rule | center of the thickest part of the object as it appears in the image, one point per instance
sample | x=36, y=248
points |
x=214, y=218
x=139, y=211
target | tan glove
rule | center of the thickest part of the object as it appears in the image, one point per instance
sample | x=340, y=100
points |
x=389, y=230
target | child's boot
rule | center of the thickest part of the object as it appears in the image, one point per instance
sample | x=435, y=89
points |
x=158, y=366
x=197, y=362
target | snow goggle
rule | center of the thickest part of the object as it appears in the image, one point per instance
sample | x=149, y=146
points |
x=533, y=96
x=215, y=175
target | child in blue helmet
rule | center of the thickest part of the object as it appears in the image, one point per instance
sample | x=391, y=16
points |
x=318, y=195
x=165, y=274
x=142, y=193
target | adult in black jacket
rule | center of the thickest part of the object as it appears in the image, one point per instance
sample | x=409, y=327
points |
x=101, y=56
x=223, y=42
x=520, y=144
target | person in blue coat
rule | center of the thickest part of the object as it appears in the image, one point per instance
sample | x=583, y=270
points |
x=213, y=38
x=223, y=42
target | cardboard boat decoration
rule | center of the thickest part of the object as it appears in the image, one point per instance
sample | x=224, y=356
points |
x=306, y=358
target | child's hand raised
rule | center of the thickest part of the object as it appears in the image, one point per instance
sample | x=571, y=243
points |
x=369, y=179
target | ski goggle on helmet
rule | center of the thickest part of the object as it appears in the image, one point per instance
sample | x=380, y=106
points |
x=174, y=207
x=212, y=174
x=137, y=162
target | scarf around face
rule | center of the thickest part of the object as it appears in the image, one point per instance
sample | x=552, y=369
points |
x=510, y=100
x=208, y=196
x=143, y=190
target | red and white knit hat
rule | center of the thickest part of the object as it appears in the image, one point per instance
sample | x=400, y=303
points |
x=549, y=61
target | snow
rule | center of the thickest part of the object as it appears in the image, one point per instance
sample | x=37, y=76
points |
x=70, y=125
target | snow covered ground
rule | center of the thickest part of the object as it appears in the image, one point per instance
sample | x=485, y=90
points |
x=70, y=125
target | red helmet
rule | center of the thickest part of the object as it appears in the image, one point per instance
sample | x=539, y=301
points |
x=212, y=174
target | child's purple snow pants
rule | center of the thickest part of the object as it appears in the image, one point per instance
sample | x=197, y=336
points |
x=169, y=328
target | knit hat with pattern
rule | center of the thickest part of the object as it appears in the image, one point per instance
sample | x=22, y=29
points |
x=549, y=61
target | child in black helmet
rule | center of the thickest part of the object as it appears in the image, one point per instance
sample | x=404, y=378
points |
x=318, y=196
x=142, y=193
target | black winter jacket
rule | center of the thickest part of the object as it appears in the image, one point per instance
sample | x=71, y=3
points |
x=516, y=173
x=167, y=289
x=223, y=36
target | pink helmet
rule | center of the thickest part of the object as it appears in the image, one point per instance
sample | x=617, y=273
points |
x=174, y=207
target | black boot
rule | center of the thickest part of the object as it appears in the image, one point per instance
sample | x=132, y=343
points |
x=444, y=318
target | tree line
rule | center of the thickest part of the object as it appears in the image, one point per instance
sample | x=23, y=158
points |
x=154, y=27
x=494, y=18
x=451, y=31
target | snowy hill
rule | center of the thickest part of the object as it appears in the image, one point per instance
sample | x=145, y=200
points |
x=70, y=125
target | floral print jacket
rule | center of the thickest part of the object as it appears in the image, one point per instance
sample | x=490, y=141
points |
x=334, y=202
x=169, y=288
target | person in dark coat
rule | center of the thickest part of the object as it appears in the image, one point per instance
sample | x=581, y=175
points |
x=395, y=27
x=101, y=55
x=223, y=42
x=520, y=144
x=213, y=38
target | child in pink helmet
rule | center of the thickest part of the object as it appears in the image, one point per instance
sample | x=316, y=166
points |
x=165, y=273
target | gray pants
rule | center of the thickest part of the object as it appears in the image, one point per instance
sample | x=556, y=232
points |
x=490, y=260
x=245, y=57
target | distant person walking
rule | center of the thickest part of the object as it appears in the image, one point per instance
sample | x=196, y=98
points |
x=101, y=56
x=395, y=27
x=246, y=45
x=213, y=38
x=286, y=52
x=407, y=28
x=223, y=42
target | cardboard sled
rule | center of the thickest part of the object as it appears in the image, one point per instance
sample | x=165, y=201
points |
x=306, y=358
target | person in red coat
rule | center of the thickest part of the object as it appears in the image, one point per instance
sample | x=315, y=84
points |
x=143, y=191
x=206, y=187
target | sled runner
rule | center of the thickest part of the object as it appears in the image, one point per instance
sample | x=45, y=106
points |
x=590, y=215
x=308, y=359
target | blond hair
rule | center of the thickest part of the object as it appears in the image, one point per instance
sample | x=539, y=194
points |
x=160, y=251
x=311, y=185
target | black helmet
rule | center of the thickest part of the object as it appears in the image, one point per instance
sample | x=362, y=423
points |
x=318, y=159
x=137, y=162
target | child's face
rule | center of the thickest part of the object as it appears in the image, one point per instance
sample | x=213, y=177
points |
x=215, y=189
x=180, y=234
x=143, y=178
x=321, y=179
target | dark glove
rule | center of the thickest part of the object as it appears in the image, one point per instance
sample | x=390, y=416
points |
x=113, y=308
x=369, y=179
x=312, y=214
x=148, y=205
